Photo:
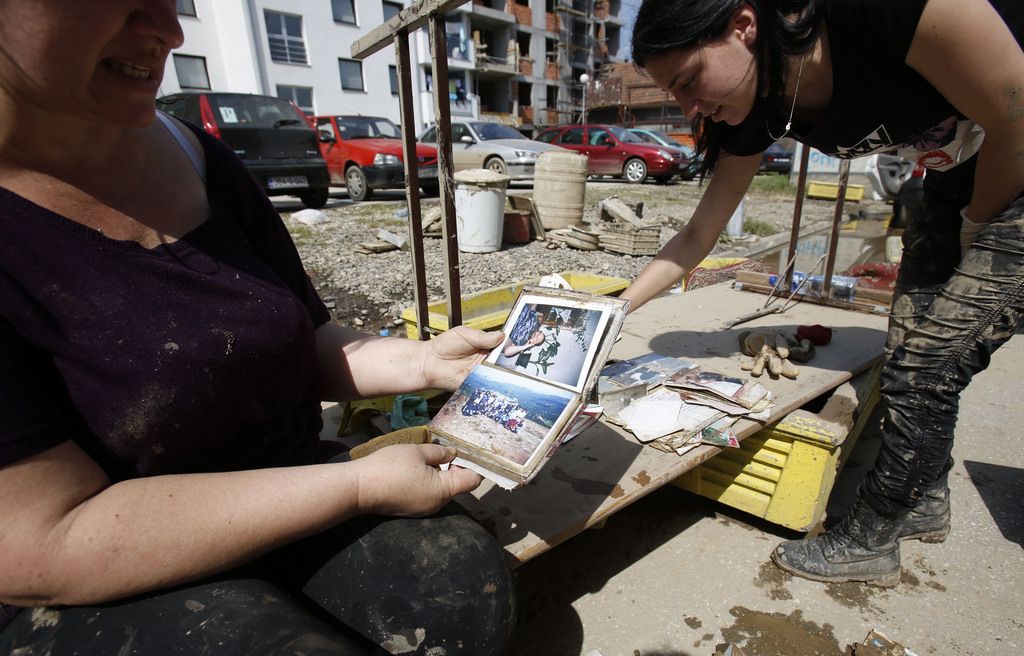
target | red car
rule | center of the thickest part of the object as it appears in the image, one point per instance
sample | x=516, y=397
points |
x=617, y=152
x=364, y=153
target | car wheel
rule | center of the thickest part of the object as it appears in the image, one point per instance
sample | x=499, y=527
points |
x=635, y=170
x=431, y=189
x=314, y=198
x=497, y=165
x=355, y=182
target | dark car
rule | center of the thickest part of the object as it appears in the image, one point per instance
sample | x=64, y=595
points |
x=272, y=136
x=776, y=159
x=616, y=152
x=364, y=153
x=692, y=168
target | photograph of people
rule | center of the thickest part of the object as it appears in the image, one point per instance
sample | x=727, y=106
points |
x=505, y=414
x=554, y=343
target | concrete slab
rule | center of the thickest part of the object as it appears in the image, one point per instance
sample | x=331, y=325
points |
x=675, y=574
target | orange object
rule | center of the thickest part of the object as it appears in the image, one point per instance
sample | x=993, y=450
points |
x=517, y=228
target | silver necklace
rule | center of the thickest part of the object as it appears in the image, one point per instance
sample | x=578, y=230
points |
x=789, y=121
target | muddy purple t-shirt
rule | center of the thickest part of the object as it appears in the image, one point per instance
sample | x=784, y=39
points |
x=193, y=356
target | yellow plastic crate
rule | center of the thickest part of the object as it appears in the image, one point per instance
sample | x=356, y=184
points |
x=784, y=473
x=489, y=308
x=830, y=190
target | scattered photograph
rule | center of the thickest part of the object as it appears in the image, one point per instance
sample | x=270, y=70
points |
x=651, y=368
x=503, y=414
x=553, y=341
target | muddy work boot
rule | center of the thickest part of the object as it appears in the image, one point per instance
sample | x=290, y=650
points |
x=861, y=547
x=928, y=521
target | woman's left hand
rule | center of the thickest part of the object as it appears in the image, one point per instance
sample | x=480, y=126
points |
x=449, y=357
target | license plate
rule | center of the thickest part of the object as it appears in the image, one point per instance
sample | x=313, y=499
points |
x=428, y=172
x=287, y=182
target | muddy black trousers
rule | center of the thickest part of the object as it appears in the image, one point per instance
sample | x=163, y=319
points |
x=437, y=585
x=949, y=315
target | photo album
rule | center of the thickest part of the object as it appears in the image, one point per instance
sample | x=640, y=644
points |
x=517, y=406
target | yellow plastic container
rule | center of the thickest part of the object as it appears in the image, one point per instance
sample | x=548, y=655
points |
x=784, y=473
x=489, y=308
x=830, y=190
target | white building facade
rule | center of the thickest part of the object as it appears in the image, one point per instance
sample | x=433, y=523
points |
x=295, y=49
x=516, y=61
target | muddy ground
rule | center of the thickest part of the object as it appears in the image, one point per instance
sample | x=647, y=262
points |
x=369, y=292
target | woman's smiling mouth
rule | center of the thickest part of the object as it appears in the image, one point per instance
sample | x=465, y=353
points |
x=127, y=69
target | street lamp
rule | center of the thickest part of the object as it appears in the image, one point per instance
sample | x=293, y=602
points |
x=584, y=78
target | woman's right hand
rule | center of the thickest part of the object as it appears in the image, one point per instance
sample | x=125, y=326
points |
x=405, y=480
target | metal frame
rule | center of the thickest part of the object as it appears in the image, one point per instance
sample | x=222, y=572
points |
x=396, y=31
x=794, y=235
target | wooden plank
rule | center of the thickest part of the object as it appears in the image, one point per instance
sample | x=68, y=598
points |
x=605, y=469
x=411, y=18
x=883, y=296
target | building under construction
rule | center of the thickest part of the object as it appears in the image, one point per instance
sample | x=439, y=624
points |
x=521, y=61
x=622, y=94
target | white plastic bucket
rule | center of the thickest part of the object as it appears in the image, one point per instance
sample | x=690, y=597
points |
x=735, y=226
x=559, y=188
x=480, y=209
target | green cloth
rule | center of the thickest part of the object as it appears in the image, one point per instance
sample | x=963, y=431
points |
x=409, y=410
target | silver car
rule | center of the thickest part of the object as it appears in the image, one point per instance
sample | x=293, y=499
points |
x=487, y=145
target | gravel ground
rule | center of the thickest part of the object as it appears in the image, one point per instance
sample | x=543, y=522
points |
x=369, y=292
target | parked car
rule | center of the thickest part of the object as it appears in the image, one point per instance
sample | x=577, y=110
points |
x=692, y=169
x=776, y=159
x=494, y=146
x=616, y=152
x=272, y=136
x=364, y=153
x=662, y=139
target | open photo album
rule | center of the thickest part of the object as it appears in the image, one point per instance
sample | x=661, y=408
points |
x=517, y=406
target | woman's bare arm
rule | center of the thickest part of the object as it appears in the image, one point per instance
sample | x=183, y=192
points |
x=69, y=536
x=356, y=365
x=692, y=244
x=964, y=49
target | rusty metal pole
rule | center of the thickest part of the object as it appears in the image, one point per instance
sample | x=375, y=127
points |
x=798, y=208
x=445, y=168
x=830, y=263
x=412, y=182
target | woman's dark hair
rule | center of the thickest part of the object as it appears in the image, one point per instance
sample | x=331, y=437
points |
x=784, y=27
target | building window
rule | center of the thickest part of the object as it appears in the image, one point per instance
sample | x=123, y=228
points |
x=351, y=74
x=391, y=10
x=191, y=72
x=393, y=75
x=344, y=11
x=301, y=96
x=284, y=34
x=186, y=8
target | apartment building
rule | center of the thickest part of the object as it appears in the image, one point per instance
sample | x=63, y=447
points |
x=514, y=61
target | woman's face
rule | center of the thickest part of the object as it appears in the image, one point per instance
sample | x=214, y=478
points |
x=717, y=79
x=100, y=59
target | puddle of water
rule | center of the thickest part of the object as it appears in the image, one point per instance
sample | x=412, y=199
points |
x=775, y=634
